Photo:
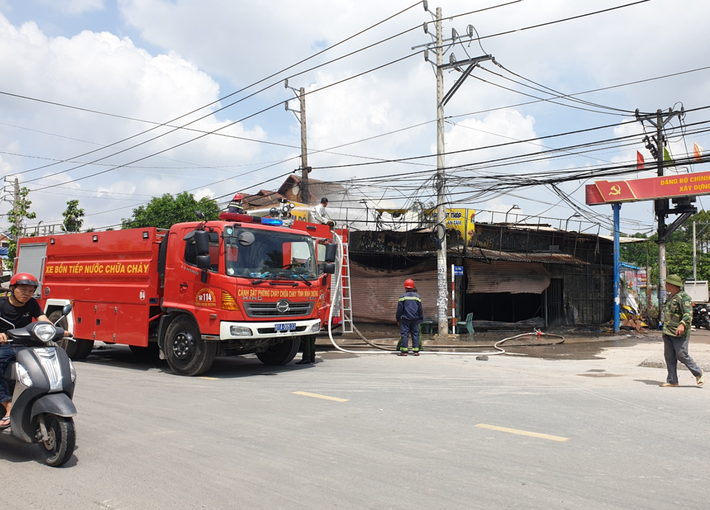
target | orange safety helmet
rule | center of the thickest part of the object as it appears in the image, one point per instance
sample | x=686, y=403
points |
x=238, y=196
x=24, y=279
x=408, y=283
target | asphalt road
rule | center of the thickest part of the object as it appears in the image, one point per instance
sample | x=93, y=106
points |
x=379, y=431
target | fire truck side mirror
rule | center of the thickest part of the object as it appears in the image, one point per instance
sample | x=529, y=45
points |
x=204, y=261
x=329, y=268
x=330, y=252
x=202, y=242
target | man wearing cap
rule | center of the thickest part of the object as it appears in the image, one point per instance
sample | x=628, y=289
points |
x=677, y=317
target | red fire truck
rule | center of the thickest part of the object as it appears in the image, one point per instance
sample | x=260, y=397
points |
x=243, y=284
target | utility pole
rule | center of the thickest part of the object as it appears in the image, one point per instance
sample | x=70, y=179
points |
x=16, y=208
x=695, y=256
x=441, y=300
x=301, y=116
x=662, y=206
x=440, y=184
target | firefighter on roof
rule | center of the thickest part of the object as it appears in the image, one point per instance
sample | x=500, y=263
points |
x=236, y=205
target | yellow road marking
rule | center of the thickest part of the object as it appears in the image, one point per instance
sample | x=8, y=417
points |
x=210, y=378
x=523, y=432
x=324, y=397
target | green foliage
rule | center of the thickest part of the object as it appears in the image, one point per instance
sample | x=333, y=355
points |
x=72, y=217
x=18, y=213
x=165, y=211
x=679, y=250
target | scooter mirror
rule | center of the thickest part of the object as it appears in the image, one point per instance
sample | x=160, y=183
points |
x=67, y=308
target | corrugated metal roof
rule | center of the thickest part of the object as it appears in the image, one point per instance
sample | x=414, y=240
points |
x=546, y=257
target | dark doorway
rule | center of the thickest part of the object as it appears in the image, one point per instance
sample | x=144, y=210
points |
x=553, y=301
x=504, y=306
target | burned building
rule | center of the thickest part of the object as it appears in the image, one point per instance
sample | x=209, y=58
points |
x=527, y=274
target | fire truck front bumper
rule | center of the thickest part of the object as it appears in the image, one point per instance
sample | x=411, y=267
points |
x=237, y=330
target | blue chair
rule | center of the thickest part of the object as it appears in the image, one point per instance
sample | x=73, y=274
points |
x=465, y=327
x=427, y=326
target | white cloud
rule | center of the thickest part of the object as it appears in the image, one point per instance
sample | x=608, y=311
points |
x=103, y=72
x=203, y=193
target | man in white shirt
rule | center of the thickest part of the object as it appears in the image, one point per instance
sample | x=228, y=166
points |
x=319, y=214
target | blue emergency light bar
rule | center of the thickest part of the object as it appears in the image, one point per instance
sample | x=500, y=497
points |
x=247, y=218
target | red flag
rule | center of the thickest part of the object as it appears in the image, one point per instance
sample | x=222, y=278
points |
x=697, y=152
x=639, y=161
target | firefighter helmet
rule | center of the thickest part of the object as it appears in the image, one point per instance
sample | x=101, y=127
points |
x=408, y=283
x=238, y=196
x=24, y=279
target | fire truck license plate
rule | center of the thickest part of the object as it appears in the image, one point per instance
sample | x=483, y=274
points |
x=287, y=326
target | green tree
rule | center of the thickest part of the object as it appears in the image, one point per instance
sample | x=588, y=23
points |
x=72, y=217
x=165, y=211
x=19, y=212
x=679, y=250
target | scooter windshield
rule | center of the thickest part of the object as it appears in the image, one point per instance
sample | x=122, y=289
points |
x=269, y=255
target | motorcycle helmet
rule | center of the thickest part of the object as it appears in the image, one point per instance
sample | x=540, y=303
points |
x=409, y=283
x=24, y=279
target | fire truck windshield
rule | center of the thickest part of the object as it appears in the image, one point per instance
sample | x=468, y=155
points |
x=269, y=254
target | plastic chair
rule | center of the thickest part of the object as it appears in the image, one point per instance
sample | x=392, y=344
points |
x=427, y=326
x=465, y=327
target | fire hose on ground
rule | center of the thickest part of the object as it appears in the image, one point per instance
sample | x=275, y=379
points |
x=386, y=350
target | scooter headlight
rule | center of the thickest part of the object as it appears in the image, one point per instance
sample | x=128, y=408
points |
x=23, y=375
x=72, y=371
x=45, y=332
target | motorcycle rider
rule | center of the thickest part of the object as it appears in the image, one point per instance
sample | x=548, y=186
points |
x=409, y=315
x=19, y=308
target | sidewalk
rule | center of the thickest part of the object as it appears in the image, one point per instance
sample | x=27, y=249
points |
x=640, y=348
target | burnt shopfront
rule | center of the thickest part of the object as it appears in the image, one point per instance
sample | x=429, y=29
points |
x=530, y=276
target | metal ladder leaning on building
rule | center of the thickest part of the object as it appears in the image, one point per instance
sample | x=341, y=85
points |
x=347, y=303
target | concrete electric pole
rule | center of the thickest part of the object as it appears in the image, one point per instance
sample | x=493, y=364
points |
x=301, y=116
x=442, y=293
x=662, y=206
x=440, y=183
x=16, y=208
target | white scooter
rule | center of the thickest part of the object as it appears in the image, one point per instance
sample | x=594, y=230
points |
x=43, y=378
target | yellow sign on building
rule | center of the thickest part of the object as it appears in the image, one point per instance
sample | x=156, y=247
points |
x=299, y=212
x=461, y=220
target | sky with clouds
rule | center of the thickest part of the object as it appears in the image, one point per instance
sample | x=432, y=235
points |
x=113, y=102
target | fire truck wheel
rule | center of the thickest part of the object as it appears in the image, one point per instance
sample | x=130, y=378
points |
x=83, y=349
x=68, y=345
x=280, y=353
x=185, y=351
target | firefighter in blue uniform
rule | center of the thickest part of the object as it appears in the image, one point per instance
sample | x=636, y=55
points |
x=236, y=205
x=409, y=315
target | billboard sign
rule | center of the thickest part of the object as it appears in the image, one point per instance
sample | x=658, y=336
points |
x=632, y=190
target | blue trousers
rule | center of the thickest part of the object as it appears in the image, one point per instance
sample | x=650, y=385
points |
x=407, y=327
x=676, y=349
x=7, y=356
